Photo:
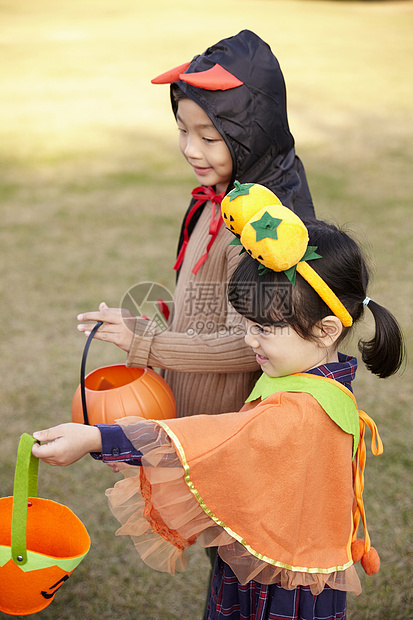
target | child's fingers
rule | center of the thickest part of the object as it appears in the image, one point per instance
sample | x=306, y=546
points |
x=115, y=329
x=44, y=451
x=106, y=328
x=93, y=316
x=50, y=434
x=108, y=332
x=106, y=315
x=114, y=467
x=103, y=314
x=49, y=451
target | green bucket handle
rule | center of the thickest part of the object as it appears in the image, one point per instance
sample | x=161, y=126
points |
x=25, y=486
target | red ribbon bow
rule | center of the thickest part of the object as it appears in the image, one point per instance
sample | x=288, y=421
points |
x=202, y=194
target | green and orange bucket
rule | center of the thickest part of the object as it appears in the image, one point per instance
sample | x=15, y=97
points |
x=41, y=541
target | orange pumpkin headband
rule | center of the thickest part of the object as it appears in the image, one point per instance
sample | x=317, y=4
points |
x=277, y=238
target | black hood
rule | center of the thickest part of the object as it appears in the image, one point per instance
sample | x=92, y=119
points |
x=252, y=117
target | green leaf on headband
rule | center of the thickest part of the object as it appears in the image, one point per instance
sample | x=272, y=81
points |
x=235, y=241
x=266, y=227
x=311, y=253
x=291, y=273
x=263, y=269
x=241, y=189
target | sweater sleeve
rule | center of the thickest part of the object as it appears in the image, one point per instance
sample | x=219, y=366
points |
x=193, y=352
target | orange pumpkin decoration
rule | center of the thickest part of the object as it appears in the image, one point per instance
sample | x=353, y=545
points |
x=119, y=391
x=115, y=392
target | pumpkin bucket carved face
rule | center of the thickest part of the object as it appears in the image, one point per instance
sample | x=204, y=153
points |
x=119, y=391
x=41, y=542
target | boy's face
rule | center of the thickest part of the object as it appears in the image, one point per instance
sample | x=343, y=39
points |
x=202, y=146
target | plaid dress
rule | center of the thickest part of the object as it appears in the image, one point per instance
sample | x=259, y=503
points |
x=229, y=600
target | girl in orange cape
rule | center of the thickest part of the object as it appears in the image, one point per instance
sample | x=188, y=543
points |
x=277, y=487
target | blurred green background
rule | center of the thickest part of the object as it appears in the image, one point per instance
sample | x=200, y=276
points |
x=93, y=188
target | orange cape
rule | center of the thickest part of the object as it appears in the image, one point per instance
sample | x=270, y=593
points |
x=275, y=486
x=277, y=477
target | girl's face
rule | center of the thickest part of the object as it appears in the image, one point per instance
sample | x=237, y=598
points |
x=280, y=351
x=202, y=146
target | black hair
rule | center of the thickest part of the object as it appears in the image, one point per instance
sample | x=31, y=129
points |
x=268, y=298
x=177, y=94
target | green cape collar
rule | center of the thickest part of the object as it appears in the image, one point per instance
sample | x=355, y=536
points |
x=336, y=400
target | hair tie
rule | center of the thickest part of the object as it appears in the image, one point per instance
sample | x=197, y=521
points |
x=366, y=301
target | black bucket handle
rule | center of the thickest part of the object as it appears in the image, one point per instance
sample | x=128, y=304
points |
x=83, y=369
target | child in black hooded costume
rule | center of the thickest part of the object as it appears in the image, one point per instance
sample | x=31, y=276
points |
x=251, y=117
x=238, y=83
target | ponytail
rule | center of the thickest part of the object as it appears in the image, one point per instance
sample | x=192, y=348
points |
x=384, y=353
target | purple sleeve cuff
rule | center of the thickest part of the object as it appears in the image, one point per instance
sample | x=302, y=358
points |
x=116, y=447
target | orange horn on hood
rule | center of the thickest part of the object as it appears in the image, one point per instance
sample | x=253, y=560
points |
x=216, y=78
x=173, y=75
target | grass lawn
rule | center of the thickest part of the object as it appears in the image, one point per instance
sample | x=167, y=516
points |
x=92, y=190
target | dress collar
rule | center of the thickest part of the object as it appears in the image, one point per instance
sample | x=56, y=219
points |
x=342, y=371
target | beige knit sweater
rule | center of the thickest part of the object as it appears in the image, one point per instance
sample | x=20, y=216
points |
x=202, y=353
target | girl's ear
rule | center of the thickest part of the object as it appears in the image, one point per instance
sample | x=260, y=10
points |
x=328, y=330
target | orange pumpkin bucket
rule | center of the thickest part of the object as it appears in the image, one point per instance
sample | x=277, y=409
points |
x=119, y=391
x=41, y=542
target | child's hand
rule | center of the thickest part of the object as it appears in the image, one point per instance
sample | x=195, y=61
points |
x=114, y=467
x=67, y=443
x=117, y=326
